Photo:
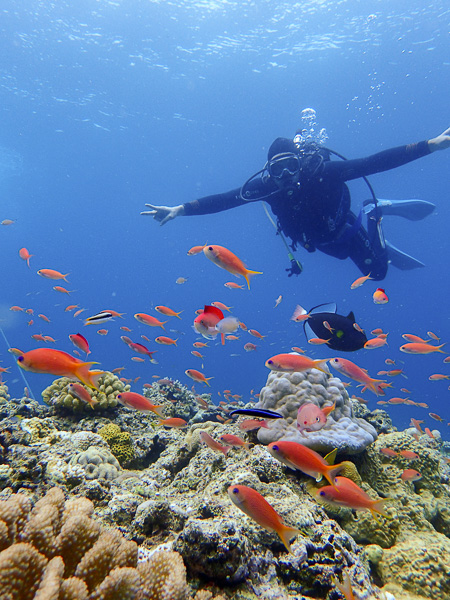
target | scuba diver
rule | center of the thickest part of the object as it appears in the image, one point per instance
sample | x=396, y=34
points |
x=307, y=193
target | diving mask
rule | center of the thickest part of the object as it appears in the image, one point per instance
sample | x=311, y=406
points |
x=284, y=165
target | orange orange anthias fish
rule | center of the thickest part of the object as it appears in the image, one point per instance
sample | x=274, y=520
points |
x=149, y=320
x=349, y=369
x=52, y=274
x=25, y=255
x=197, y=376
x=57, y=362
x=289, y=363
x=346, y=493
x=257, y=508
x=358, y=282
x=420, y=348
x=297, y=456
x=168, y=312
x=225, y=259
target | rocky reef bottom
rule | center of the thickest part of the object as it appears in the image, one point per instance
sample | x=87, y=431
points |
x=113, y=505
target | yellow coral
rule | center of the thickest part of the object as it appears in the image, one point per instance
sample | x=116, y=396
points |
x=120, y=442
x=57, y=394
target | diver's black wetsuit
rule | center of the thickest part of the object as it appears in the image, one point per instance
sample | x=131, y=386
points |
x=316, y=214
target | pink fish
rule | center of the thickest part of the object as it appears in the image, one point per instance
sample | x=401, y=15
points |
x=80, y=342
x=80, y=392
x=311, y=418
x=212, y=443
x=349, y=369
x=139, y=402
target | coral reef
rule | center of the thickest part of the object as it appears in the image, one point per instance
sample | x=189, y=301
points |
x=287, y=392
x=119, y=441
x=97, y=463
x=58, y=396
x=57, y=551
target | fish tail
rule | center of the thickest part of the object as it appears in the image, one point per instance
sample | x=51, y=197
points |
x=178, y=314
x=64, y=277
x=438, y=348
x=249, y=274
x=332, y=471
x=286, y=533
x=158, y=410
x=89, y=378
x=321, y=365
x=378, y=508
x=207, y=380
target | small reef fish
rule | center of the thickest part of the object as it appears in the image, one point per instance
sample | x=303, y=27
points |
x=290, y=363
x=195, y=250
x=433, y=335
x=205, y=322
x=77, y=313
x=140, y=402
x=233, y=286
x=166, y=341
x=417, y=424
x=420, y=348
x=168, y=312
x=62, y=290
x=181, y=280
x=255, y=333
x=249, y=347
x=299, y=315
x=318, y=341
x=100, y=317
x=175, y=422
x=252, y=424
x=221, y=306
x=257, y=412
x=16, y=309
x=234, y=441
x=57, y=362
x=380, y=297
x=44, y=317
x=257, y=508
x=311, y=418
x=81, y=393
x=358, y=282
x=141, y=349
x=70, y=307
x=225, y=259
x=389, y=452
x=278, y=300
x=411, y=475
x=102, y=332
x=198, y=376
x=346, y=493
x=227, y=325
x=52, y=274
x=296, y=456
x=436, y=417
x=25, y=255
x=410, y=337
x=8, y=222
x=15, y=351
x=429, y=433
x=200, y=344
x=409, y=454
x=349, y=369
x=438, y=377
x=212, y=443
x=375, y=343
x=197, y=354
x=297, y=349
x=149, y=320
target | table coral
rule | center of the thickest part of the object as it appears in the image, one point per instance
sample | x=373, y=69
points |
x=287, y=392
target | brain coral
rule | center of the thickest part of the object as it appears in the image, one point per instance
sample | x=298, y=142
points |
x=97, y=463
x=287, y=392
x=57, y=394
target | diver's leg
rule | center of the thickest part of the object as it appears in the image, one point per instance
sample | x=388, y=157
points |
x=414, y=210
x=368, y=251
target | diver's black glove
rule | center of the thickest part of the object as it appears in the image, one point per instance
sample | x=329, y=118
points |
x=295, y=268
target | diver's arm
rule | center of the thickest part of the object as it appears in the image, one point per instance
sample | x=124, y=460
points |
x=376, y=163
x=214, y=203
x=441, y=142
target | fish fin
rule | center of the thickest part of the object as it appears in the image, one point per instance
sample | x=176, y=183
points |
x=378, y=507
x=328, y=409
x=286, y=533
x=158, y=410
x=331, y=456
x=345, y=588
x=81, y=372
x=248, y=274
x=207, y=380
x=320, y=363
x=332, y=471
x=329, y=307
x=351, y=316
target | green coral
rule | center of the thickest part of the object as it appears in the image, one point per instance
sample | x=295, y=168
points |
x=120, y=442
x=110, y=386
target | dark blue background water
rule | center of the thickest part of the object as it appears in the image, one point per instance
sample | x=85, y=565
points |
x=108, y=105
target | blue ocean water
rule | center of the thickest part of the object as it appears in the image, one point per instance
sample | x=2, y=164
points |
x=107, y=105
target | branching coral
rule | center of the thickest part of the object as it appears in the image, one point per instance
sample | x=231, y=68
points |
x=56, y=551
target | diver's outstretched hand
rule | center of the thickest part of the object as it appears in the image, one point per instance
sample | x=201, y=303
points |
x=441, y=142
x=163, y=214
